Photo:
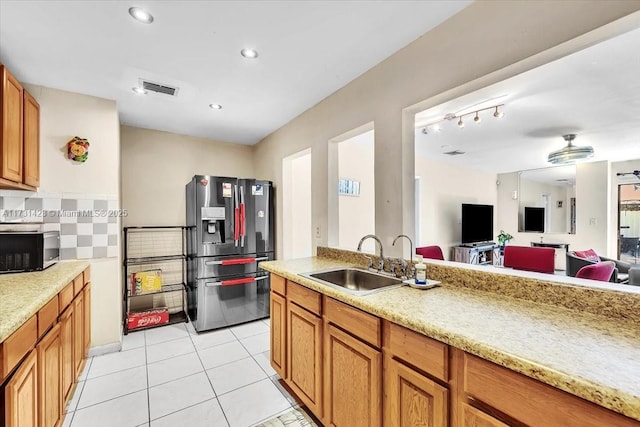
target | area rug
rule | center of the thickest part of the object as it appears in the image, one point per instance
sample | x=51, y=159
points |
x=294, y=418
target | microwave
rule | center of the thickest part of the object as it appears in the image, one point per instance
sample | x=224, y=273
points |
x=28, y=250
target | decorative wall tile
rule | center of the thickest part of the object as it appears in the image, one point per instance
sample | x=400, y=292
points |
x=85, y=229
x=85, y=241
x=100, y=252
x=84, y=252
x=88, y=224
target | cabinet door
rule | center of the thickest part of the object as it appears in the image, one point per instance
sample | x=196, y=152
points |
x=352, y=375
x=412, y=399
x=50, y=377
x=475, y=418
x=11, y=138
x=31, y=138
x=66, y=341
x=304, y=356
x=278, y=334
x=78, y=335
x=21, y=395
x=86, y=331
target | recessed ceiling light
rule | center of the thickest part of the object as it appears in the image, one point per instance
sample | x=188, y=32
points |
x=139, y=90
x=249, y=53
x=141, y=15
x=215, y=106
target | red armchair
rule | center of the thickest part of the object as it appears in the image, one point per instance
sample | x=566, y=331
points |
x=601, y=271
x=431, y=252
x=530, y=258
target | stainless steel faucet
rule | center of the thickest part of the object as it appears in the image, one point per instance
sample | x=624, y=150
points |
x=410, y=244
x=371, y=236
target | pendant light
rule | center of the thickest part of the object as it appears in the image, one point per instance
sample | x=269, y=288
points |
x=571, y=153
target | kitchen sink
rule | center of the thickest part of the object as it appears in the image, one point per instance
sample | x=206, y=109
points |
x=355, y=280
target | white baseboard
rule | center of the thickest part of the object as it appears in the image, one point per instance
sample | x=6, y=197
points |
x=104, y=349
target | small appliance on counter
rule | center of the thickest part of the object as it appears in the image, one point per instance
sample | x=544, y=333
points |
x=25, y=247
x=229, y=231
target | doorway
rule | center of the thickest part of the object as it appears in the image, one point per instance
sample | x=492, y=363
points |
x=629, y=222
x=296, y=205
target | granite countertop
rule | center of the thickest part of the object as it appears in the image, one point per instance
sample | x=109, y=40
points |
x=23, y=294
x=593, y=357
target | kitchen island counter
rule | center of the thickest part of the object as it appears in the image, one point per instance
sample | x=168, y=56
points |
x=591, y=356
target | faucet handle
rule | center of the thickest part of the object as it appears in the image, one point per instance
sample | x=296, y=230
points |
x=381, y=264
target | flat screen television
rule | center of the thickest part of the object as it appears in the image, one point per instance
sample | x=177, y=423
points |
x=477, y=223
x=534, y=219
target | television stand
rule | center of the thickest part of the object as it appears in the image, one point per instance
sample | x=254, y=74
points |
x=486, y=253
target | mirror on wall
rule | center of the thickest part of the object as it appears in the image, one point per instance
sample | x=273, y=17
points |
x=547, y=200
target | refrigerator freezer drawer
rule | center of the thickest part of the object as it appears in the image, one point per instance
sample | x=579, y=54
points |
x=229, y=301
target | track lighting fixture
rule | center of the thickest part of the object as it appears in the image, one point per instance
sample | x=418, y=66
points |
x=435, y=126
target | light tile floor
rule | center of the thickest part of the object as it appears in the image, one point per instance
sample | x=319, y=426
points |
x=172, y=376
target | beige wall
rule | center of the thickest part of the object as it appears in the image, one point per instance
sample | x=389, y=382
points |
x=483, y=38
x=356, y=214
x=297, y=205
x=443, y=190
x=64, y=115
x=157, y=165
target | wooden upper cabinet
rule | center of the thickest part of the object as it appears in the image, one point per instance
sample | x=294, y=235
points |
x=31, y=138
x=11, y=98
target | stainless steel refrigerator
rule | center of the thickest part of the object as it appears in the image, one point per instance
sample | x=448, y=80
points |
x=230, y=230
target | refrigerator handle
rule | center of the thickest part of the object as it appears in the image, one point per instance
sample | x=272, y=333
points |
x=233, y=282
x=236, y=217
x=243, y=219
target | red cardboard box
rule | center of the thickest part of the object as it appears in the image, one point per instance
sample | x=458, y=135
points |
x=157, y=316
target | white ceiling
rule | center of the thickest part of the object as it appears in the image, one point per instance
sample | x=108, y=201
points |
x=594, y=93
x=307, y=50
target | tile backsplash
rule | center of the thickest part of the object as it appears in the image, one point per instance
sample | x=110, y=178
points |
x=88, y=224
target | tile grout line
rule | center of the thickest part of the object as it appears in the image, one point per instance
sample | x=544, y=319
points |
x=146, y=368
x=209, y=379
x=73, y=413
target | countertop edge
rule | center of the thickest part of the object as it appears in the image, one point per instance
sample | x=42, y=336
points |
x=618, y=401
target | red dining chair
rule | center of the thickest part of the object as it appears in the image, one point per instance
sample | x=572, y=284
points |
x=601, y=271
x=431, y=252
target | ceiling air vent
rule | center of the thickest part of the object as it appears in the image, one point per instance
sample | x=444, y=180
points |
x=454, y=153
x=159, y=87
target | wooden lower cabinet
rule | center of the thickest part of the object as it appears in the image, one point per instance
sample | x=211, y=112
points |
x=411, y=399
x=50, y=378
x=78, y=335
x=352, y=381
x=21, y=394
x=304, y=356
x=86, y=327
x=66, y=345
x=278, y=354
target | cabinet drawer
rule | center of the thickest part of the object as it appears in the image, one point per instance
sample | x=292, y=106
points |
x=64, y=297
x=78, y=284
x=18, y=345
x=363, y=325
x=424, y=353
x=87, y=275
x=521, y=398
x=47, y=316
x=278, y=284
x=304, y=297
